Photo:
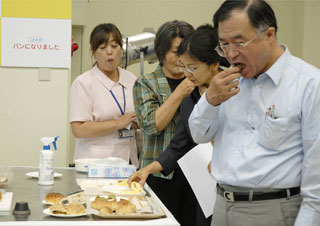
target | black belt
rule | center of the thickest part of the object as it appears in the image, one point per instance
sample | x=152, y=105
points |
x=256, y=196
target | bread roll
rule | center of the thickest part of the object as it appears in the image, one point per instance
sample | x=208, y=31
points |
x=123, y=202
x=136, y=186
x=0, y=195
x=100, y=203
x=125, y=206
x=3, y=179
x=105, y=211
x=70, y=209
x=122, y=183
x=76, y=209
x=58, y=209
x=54, y=198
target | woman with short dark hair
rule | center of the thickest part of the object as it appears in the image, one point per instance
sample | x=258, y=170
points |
x=157, y=98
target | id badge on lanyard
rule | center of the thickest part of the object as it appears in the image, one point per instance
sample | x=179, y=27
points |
x=123, y=133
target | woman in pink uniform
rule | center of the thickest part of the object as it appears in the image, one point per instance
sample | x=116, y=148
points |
x=101, y=104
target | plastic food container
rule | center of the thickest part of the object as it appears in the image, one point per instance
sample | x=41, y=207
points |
x=82, y=165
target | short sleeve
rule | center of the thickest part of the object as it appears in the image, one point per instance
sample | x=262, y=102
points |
x=81, y=101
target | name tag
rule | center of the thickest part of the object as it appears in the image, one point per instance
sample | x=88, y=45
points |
x=126, y=133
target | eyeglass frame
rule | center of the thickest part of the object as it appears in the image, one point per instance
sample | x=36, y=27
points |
x=236, y=45
x=190, y=70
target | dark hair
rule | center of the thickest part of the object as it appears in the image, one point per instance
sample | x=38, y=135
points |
x=260, y=13
x=101, y=34
x=201, y=44
x=166, y=33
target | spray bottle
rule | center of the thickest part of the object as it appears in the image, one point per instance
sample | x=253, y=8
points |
x=46, y=174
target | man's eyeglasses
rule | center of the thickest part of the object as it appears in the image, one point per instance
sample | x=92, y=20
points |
x=222, y=49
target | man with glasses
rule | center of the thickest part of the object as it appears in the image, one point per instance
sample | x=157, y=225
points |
x=264, y=117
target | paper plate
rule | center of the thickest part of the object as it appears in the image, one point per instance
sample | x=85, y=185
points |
x=36, y=174
x=47, y=212
x=47, y=203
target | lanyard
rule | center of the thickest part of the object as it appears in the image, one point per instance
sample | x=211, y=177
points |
x=124, y=101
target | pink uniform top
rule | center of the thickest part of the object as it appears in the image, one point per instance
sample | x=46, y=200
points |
x=91, y=100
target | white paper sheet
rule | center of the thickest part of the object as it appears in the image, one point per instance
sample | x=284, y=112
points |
x=34, y=42
x=194, y=166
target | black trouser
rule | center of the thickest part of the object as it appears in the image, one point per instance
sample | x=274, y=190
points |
x=178, y=197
